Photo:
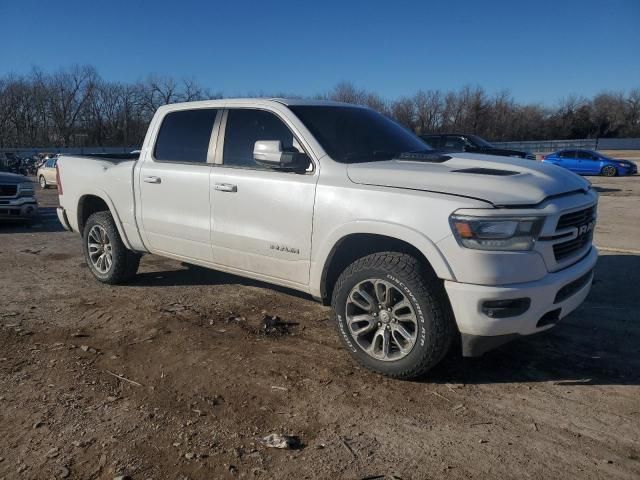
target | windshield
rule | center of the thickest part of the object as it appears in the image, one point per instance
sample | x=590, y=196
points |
x=479, y=142
x=351, y=134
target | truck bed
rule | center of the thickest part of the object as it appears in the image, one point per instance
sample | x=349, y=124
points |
x=108, y=157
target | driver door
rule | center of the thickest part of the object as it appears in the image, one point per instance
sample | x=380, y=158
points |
x=261, y=217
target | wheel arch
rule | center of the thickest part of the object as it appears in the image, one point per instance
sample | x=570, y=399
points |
x=90, y=203
x=352, y=245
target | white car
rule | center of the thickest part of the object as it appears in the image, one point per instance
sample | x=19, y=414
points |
x=46, y=174
x=413, y=249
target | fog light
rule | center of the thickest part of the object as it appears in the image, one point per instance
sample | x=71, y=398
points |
x=505, y=308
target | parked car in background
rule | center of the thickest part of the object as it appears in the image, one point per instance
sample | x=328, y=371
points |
x=17, y=198
x=47, y=173
x=457, y=142
x=10, y=162
x=589, y=162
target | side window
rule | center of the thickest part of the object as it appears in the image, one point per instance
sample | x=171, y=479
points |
x=454, y=142
x=434, y=141
x=585, y=155
x=184, y=136
x=567, y=154
x=244, y=128
x=49, y=164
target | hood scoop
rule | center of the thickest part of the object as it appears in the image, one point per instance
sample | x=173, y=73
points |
x=486, y=171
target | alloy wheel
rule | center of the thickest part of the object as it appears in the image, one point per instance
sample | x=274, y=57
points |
x=100, y=249
x=381, y=320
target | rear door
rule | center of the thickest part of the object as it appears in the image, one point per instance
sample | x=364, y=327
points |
x=174, y=185
x=567, y=159
x=587, y=162
x=262, y=218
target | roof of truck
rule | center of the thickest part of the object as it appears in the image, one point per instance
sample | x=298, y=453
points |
x=252, y=101
x=301, y=101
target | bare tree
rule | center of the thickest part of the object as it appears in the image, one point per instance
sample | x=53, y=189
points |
x=76, y=106
x=69, y=92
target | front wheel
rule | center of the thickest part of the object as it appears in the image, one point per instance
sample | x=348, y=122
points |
x=393, y=315
x=43, y=182
x=609, y=171
x=107, y=257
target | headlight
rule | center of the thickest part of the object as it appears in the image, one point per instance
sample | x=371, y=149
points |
x=496, y=233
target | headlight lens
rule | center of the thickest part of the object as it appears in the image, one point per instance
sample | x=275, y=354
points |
x=496, y=233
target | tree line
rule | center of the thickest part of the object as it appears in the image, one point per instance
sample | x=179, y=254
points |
x=77, y=107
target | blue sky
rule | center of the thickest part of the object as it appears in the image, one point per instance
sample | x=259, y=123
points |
x=539, y=50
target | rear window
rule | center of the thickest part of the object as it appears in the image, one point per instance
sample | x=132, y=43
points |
x=184, y=136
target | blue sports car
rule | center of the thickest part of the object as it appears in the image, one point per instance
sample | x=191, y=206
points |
x=588, y=162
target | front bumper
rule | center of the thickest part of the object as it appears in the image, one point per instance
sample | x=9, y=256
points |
x=21, y=208
x=549, y=302
x=632, y=170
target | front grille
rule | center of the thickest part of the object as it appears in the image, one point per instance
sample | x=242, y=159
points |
x=572, y=287
x=8, y=190
x=566, y=249
x=576, y=219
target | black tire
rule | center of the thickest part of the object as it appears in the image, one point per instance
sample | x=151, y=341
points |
x=43, y=182
x=609, y=171
x=435, y=326
x=124, y=263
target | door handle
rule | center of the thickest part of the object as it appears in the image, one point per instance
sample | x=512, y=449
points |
x=152, y=179
x=225, y=187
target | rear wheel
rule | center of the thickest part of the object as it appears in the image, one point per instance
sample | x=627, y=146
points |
x=393, y=315
x=107, y=257
x=43, y=182
x=609, y=171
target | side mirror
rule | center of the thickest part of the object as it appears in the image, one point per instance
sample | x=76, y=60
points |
x=270, y=154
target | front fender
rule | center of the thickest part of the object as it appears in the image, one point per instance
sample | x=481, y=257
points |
x=321, y=254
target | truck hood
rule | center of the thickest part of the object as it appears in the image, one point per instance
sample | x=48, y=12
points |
x=12, y=178
x=497, y=180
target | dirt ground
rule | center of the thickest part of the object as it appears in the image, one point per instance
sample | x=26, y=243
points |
x=173, y=376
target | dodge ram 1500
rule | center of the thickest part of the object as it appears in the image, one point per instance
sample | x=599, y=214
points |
x=413, y=249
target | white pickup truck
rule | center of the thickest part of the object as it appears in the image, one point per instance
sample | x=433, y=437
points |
x=414, y=249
